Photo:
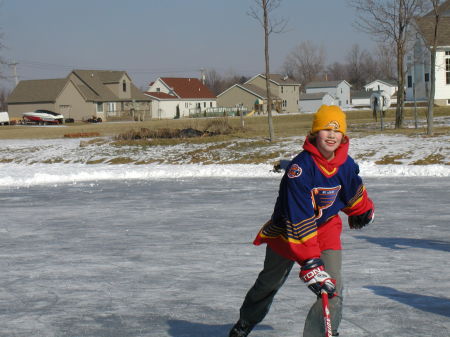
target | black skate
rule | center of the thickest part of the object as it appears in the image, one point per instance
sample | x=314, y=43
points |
x=241, y=329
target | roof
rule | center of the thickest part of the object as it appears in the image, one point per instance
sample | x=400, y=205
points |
x=37, y=90
x=313, y=96
x=260, y=92
x=278, y=79
x=426, y=28
x=443, y=8
x=188, y=88
x=392, y=83
x=361, y=94
x=91, y=85
x=160, y=95
x=325, y=84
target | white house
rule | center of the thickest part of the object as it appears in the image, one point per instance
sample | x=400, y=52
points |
x=387, y=86
x=312, y=102
x=339, y=90
x=360, y=98
x=418, y=59
x=175, y=97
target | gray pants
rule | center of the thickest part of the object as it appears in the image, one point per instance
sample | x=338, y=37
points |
x=275, y=272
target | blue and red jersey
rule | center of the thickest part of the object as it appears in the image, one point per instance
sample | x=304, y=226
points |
x=312, y=191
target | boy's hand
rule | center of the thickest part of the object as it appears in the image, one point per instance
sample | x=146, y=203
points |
x=316, y=278
x=359, y=221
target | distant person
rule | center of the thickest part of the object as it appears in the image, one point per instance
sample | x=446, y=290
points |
x=305, y=227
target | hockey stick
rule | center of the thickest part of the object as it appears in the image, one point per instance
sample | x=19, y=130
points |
x=326, y=314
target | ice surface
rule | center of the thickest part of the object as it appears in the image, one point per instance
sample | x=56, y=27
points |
x=173, y=257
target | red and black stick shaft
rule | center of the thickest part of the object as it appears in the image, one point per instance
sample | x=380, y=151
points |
x=326, y=314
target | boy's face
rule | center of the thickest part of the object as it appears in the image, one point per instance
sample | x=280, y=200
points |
x=328, y=141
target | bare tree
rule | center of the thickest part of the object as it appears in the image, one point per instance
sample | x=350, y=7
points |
x=385, y=55
x=389, y=20
x=214, y=81
x=4, y=93
x=305, y=62
x=218, y=83
x=261, y=12
x=336, y=71
x=433, y=23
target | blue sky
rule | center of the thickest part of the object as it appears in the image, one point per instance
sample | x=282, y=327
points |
x=152, y=38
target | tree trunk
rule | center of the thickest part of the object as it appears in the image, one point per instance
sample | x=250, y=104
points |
x=266, y=54
x=401, y=92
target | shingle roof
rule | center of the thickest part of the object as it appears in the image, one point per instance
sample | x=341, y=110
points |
x=260, y=92
x=313, y=96
x=323, y=84
x=426, y=28
x=91, y=85
x=188, y=88
x=280, y=79
x=94, y=88
x=37, y=90
x=160, y=95
x=444, y=9
x=361, y=94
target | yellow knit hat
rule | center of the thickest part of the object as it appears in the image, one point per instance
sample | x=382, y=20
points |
x=329, y=117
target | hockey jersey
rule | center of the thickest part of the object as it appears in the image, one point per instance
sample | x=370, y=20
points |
x=312, y=191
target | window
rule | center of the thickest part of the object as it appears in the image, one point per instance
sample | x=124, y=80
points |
x=124, y=86
x=111, y=107
x=427, y=77
x=204, y=104
x=99, y=107
x=448, y=102
x=281, y=89
x=447, y=70
x=409, y=81
x=210, y=104
x=158, y=89
x=447, y=52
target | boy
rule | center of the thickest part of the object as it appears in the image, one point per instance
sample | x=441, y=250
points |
x=305, y=226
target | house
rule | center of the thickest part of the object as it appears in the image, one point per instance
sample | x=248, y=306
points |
x=175, y=97
x=283, y=87
x=312, y=102
x=248, y=96
x=360, y=98
x=81, y=95
x=338, y=90
x=388, y=86
x=418, y=59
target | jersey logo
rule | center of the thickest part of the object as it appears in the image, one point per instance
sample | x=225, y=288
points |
x=323, y=198
x=294, y=171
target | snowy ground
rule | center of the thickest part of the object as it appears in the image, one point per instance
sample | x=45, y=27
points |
x=173, y=258
x=31, y=162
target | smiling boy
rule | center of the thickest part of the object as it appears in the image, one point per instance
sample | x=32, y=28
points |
x=305, y=227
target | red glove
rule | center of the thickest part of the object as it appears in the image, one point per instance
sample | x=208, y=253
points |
x=316, y=278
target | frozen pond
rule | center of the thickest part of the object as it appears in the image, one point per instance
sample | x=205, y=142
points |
x=174, y=258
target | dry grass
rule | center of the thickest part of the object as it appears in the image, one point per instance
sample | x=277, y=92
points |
x=230, y=127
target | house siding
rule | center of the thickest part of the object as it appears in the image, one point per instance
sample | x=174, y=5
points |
x=237, y=96
x=418, y=61
x=79, y=108
x=15, y=110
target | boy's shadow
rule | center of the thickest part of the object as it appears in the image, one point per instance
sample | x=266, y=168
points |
x=181, y=328
x=401, y=243
x=435, y=305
